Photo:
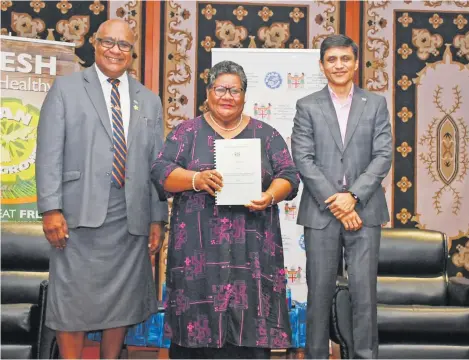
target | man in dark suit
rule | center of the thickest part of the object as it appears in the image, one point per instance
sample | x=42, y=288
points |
x=342, y=146
x=99, y=131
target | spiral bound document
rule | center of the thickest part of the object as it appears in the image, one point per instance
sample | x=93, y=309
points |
x=239, y=162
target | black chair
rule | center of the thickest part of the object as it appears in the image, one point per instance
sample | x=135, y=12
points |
x=421, y=313
x=25, y=265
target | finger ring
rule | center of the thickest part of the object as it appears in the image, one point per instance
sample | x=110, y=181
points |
x=211, y=175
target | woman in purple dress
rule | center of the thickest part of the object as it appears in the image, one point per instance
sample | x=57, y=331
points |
x=225, y=270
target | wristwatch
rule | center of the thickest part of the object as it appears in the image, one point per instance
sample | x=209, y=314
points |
x=357, y=199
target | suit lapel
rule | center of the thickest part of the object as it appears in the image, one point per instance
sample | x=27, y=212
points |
x=358, y=104
x=328, y=110
x=95, y=92
x=136, y=105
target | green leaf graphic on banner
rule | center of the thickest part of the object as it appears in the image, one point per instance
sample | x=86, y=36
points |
x=18, y=149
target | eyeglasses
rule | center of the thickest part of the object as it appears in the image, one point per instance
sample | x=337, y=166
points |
x=220, y=91
x=110, y=43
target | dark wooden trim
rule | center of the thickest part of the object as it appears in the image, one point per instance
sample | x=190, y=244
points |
x=353, y=25
x=152, y=45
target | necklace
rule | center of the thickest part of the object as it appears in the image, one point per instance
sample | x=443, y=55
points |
x=225, y=129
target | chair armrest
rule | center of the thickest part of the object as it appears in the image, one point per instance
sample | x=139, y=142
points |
x=458, y=291
x=47, y=347
x=341, y=319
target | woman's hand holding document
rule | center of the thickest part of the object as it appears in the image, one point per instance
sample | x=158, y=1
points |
x=239, y=162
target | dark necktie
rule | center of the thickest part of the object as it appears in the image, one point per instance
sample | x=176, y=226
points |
x=118, y=137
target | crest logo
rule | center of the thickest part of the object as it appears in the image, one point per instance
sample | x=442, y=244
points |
x=296, y=81
x=262, y=111
x=273, y=80
x=290, y=210
x=293, y=275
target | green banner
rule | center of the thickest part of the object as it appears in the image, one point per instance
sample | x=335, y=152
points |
x=20, y=212
x=18, y=150
x=29, y=67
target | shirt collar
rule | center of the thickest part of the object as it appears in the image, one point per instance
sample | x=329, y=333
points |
x=336, y=98
x=103, y=78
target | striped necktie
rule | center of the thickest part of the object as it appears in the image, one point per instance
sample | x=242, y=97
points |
x=118, y=137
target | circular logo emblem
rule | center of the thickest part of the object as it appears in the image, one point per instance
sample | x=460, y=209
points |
x=273, y=80
x=301, y=242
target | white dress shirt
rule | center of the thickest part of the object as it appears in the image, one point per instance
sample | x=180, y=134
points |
x=342, y=109
x=124, y=97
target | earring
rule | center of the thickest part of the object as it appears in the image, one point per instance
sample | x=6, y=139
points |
x=204, y=107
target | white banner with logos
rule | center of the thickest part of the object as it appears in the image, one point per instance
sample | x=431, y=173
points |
x=277, y=78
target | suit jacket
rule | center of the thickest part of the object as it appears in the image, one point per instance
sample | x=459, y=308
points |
x=322, y=159
x=75, y=153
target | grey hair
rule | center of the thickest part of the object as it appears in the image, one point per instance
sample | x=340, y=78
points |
x=227, y=67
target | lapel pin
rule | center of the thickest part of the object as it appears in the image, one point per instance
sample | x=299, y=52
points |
x=135, y=107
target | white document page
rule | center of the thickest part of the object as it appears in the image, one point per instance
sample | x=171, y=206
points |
x=239, y=162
